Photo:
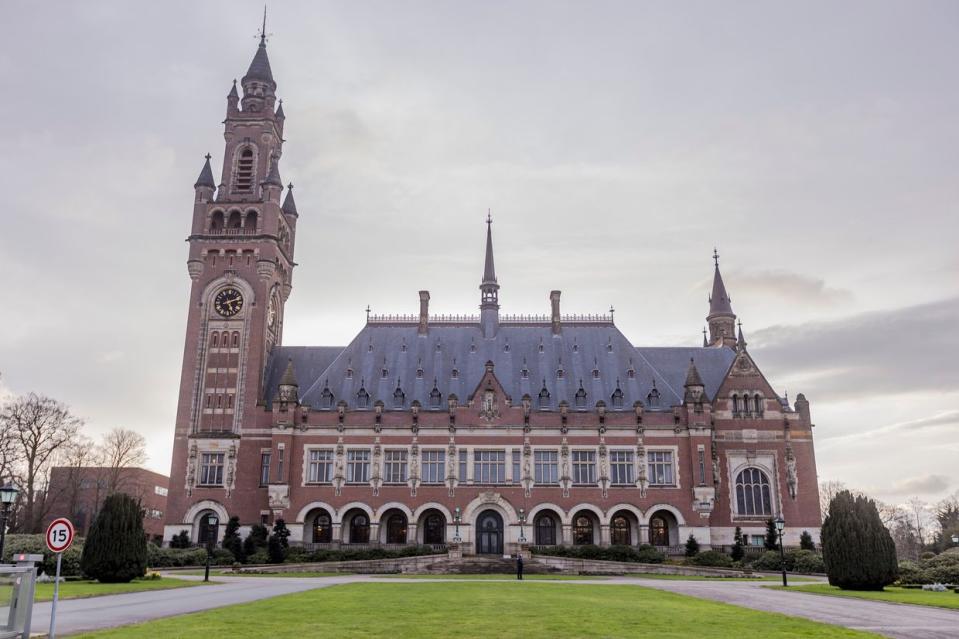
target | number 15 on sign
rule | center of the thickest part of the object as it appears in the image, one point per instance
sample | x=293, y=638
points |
x=59, y=537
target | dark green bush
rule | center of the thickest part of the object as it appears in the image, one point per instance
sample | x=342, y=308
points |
x=116, y=548
x=712, y=558
x=180, y=540
x=769, y=561
x=806, y=542
x=645, y=554
x=174, y=557
x=858, y=550
x=738, y=552
x=36, y=545
x=232, y=541
x=772, y=536
x=943, y=568
x=808, y=561
x=912, y=573
x=692, y=546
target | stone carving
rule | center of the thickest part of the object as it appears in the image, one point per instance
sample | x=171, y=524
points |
x=279, y=496
x=792, y=478
x=191, y=469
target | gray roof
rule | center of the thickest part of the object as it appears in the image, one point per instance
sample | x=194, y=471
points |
x=412, y=362
x=719, y=302
x=206, y=175
x=289, y=204
x=260, y=66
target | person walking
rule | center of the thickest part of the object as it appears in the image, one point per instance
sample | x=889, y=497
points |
x=519, y=566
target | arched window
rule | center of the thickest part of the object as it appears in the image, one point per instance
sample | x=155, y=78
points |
x=236, y=339
x=652, y=399
x=759, y=404
x=581, y=396
x=396, y=529
x=225, y=339
x=544, y=397
x=582, y=531
x=360, y=529
x=434, y=530
x=322, y=529
x=249, y=224
x=658, y=532
x=326, y=398
x=619, y=531
x=214, y=339
x=244, y=170
x=399, y=397
x=233, y=222
x=206, y=532
x=617, y=397
x=752, y=493
x=362, y=398
x=435, y=397
x=216, y=221
x=545, y=531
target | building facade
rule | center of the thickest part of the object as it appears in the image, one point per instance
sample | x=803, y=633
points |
x=77, y=493
x=492, y=429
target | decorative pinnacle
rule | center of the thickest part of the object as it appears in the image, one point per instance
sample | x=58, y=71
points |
x=207, y=156
x=263, y=34
x=715, y=256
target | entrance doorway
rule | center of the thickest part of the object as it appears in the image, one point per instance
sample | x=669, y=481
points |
x=489, y=533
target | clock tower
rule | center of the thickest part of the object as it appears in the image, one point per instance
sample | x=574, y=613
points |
x=241, y=266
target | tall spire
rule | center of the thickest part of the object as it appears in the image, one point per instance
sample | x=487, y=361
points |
x=489, y=288
x=721, y=319
x=289, y=204
x=260, y=66
x=206, y=175
x=692, y=375
x=740, y=340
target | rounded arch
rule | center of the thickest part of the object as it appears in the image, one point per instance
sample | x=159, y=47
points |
x=627, y=507
x=493, y=501
x=353, y=505
x=250, y=220
x=547, y=506
x=547, y=523
x=194, y=512
x=211, y=289
x=431, y=505
x=586, y=526
x=313, y=505
x=596, y=510
x=392, y=505
x=670, y=509
x=624, y=524
x=217, y=220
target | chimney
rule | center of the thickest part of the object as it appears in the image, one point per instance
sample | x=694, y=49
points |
x=424, y=312
x=554, y=303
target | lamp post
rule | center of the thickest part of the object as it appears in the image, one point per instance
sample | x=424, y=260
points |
x=8, y=495
x=955, y=540
x=522, y=521
x=780, y=524
x=457, y=518
x=211, y=522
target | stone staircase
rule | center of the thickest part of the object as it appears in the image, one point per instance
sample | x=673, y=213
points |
x=484, y=565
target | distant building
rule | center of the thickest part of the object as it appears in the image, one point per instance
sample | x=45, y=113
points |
x=78, y=494
x=548, y=429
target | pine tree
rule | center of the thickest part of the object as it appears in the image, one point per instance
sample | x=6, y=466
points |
x=231, y=539
x=738, y=551
x=772, y=536
x=180, y=540
x=278, y=542
x=115, y=550
x=692, y=546
x=857, y=549
x=281, y=531
x=806, y=542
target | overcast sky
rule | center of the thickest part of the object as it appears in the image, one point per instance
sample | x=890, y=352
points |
x=816, y=145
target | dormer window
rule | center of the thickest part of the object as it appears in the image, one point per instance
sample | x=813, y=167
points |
x=362, y=398
x=349, y=373
x=525, y=373
x=369, y=347
x=575, y=347
x=631, y=373
x=439, y=346
x=385, y=373
x=560, y=373
x=609, y=345
x=506, y=347
x=472, y=346
x=326, y=397
x=455, y=373
x=399, y=397
x=617, y=396
x=541, y=346
x=580, y=397
x=244, y=171
x=595, y=373
x=652, y=399
x=435, y=397
x=419, y=373
x=544, y=397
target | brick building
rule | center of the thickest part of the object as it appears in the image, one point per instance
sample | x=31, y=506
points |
x=555, y=427
x=78, y=494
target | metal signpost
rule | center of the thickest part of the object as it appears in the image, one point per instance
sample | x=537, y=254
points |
x=59, y=538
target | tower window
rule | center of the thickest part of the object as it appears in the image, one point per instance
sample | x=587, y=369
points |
x=214, y=339
x=244, y=171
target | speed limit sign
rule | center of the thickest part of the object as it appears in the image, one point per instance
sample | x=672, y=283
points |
x=59, y=535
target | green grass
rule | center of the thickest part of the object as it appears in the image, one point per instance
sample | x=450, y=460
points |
x=80, y=589
x=893, y=594
x=486, y=577
x=230, y=573
x=700, y=578
x=480, y=610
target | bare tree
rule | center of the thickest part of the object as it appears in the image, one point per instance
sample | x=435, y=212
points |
x=80, y=458
x=919, y=512
x=121, y=449
x=40, y=427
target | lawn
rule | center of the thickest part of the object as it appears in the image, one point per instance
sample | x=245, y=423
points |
x=486, y=577
x=80, y=589
x=946, y=599
x=230, y=573
x=480, y=610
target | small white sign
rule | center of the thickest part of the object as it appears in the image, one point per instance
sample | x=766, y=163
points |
x=60, y=534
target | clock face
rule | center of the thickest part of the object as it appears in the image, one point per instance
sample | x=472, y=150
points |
x=228, y=302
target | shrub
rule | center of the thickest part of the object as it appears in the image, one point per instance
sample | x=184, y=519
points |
x=36, y=545
x=174, y=557
x=927, y=555
x=943, y=568
x=282, y=533
x=806, y=542
x=258, y=557
x=711, y=558
x=800, y=560
x=738, y=551
x=231, y=539
x=255, y=540
x=858, y=550
x=772, y=536
x=692, y=546
x=116, y=549
x=769, y=561
x=645, y=553
x=180, y=540
x=912, y=573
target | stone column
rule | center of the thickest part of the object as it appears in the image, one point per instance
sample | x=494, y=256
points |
x=337, y=535
x=567, y=539
x=374, y=534
x=411, y=530
x=604, y=534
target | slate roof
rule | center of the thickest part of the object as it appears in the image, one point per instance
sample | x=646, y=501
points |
x=206, y=175
x=260, y=66
x=412, y=362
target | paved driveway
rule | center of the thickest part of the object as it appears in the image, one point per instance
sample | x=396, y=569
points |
x=893, y=620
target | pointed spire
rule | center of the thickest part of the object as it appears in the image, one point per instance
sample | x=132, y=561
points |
x=233, y=94
x=289, y=204
x=289, y=376
x=692, y=375
x=274, y=176
x=719, y=302
x=705, y=341
x=206, y=175
x=279, y=112
x=260, y=66
x=740, y=340
x=489, y=273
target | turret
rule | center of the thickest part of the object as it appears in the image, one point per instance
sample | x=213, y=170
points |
x=695, y=388
x=259, y=89
x=721, y=319
x=489, y=288
x=205, y=186
x=288, y=390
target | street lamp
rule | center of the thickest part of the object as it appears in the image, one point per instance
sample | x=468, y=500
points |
x=955, y=540
x=780, y=524
x=522, y=520
x=211, y=522
x=8, y=495
x=457, y=518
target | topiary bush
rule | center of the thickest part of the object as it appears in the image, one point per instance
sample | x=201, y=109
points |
x=232, y=541
x=116, y=548
x=180, y=540
x=738, y=551
x=772, y=536
x=712, y=558
x=858, y=550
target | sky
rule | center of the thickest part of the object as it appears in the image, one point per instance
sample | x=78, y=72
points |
x=815, y=144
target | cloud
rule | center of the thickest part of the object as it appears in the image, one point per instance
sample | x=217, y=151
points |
x=894, y=351
x=794, y=287
x=923, y=484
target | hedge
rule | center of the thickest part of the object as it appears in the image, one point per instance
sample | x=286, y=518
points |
x=644, y=554
x=36, y=545
x=942, y=568
x=712, y=558
x=796, y=561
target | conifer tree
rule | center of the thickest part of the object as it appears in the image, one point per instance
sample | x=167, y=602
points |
x=738, y=552
x=857, y=549
x=806, y=542
x=772, y=536
x=692, y=546
x=115, y=550
x=278, y=542
x=232, y=541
